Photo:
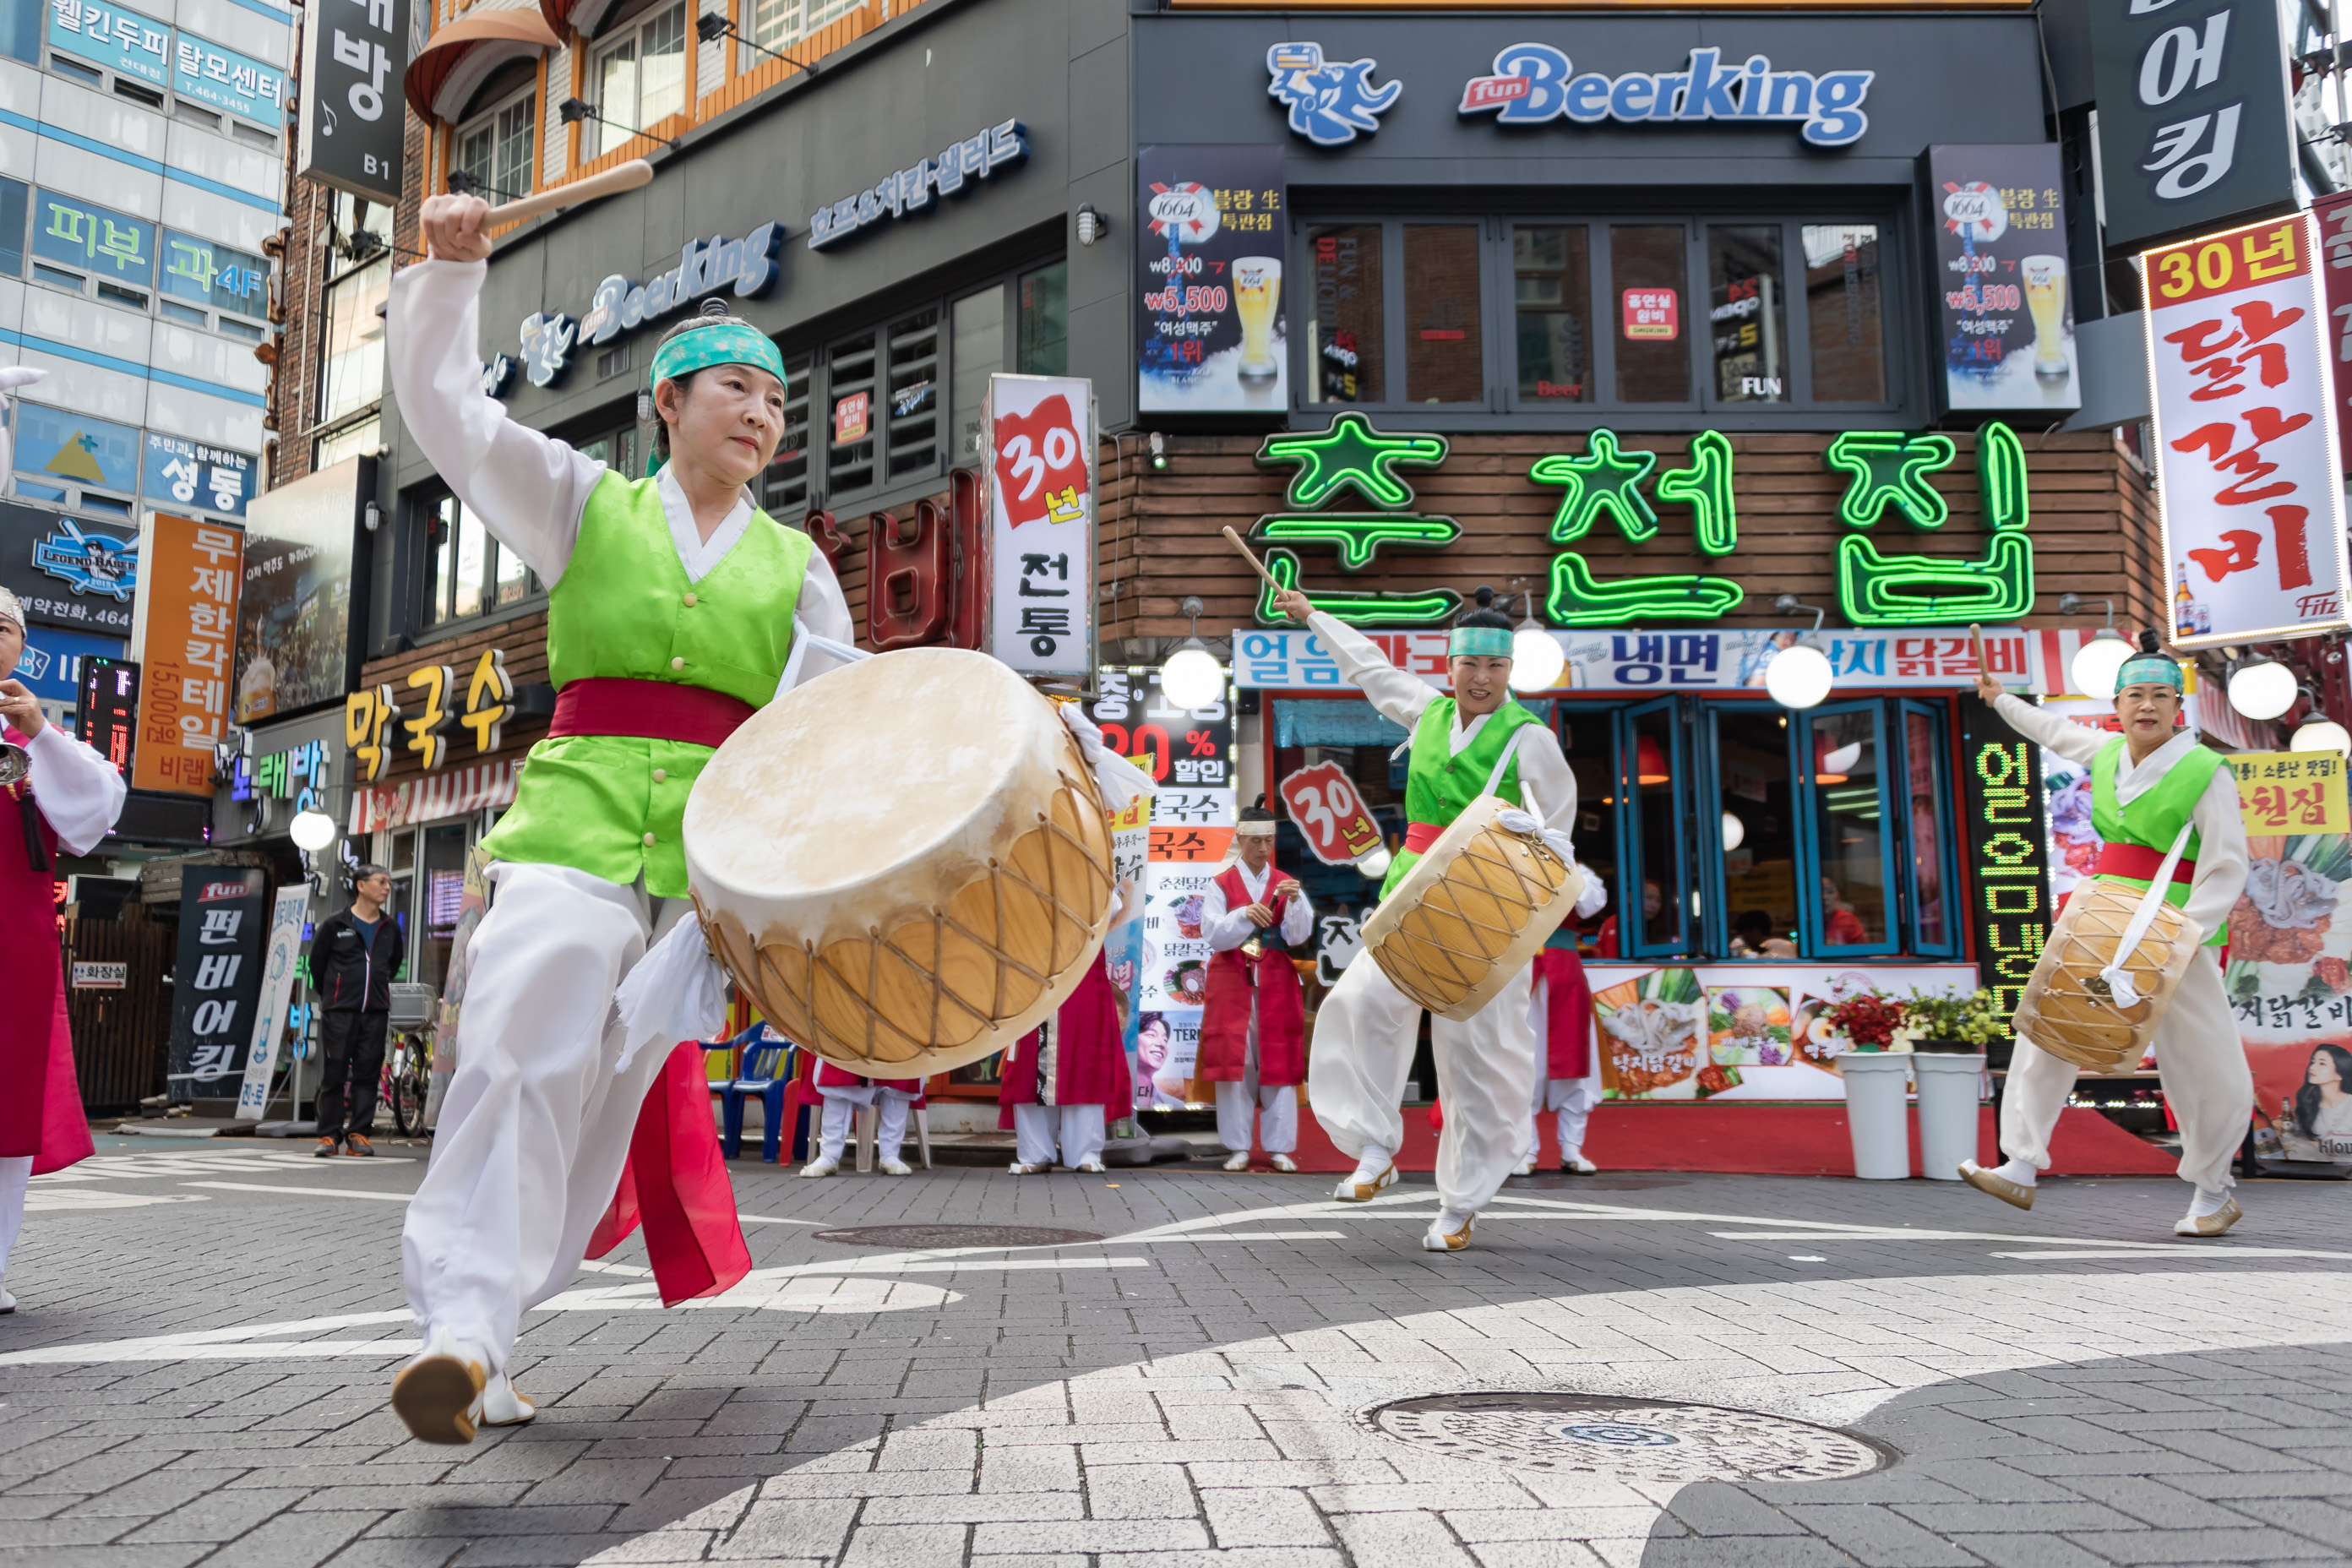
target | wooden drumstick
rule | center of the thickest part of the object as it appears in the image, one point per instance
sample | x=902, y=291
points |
x=626, y=176
x=1256, y=565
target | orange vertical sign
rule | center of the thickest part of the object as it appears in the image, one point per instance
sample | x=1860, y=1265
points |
x=190, y=573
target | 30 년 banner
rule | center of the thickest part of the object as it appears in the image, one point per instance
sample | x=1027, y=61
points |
x=1040, y=486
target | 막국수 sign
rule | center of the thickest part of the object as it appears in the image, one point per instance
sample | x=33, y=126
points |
x=2246, y=439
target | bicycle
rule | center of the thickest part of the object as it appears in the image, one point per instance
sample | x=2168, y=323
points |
x=408, y=1077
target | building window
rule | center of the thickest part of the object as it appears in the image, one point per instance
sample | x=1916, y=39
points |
x=1847, y=328
x=15, y=201
x=784, y=493
x=466, y=573
x=1552, y=291
x=496, y=147
x=979, y=355
x=353, y=377
x=884, y=402
x=772, y=23
x=1346, y=351
x=640, y=76
x=1045, y=340
x=351, y=441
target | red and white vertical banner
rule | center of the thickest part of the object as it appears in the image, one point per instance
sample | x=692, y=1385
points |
x=1041, y=495
x=2335, y=215
x=189, y=573
x=2246, y=434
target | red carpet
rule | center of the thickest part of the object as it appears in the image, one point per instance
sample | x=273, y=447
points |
x=1760, y=1139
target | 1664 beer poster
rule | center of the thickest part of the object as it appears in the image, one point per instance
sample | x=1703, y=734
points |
x=2245, y=434
x=2000, y=278
x=1040, y=501
x=1210, y=226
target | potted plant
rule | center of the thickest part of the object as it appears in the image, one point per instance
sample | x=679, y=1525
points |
x=1955, y=1026
x=1877, y=1073
x=1949, y=1035
x=1872, y=1022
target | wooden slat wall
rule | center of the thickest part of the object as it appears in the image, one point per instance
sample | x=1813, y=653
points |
x=2094, y=526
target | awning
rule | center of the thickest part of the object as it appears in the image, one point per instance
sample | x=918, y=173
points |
x=462, y=55
x=450, y=791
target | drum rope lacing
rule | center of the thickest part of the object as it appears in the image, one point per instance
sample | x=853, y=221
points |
x=1514, y=894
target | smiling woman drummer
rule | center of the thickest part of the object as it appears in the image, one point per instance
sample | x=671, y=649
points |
x=676, y=609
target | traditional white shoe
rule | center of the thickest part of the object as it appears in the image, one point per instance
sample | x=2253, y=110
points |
x=896, y=1168
x=1092, y=1165
x=2013, y=1193
x=1285, y=1164
x=1524, y=1168
x=819, y=1167
x=435, y=1395
x=502, y=1404
x=1353, y=1189
x=1238, y=1161
x=2213, y=1224
x=1577, y=1165
x=1018, y=1168
x=1440, y=1240
x=7, y=1303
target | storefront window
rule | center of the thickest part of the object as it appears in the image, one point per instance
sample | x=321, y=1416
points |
x=496, y=147
x=1045, y=342
x=1445, y=333
x=1930, y=844
x=467, y=573
x=1846, y=331
x=885, y=400
x=1755, y=824
x=1746, y=313
x=441, y=889
x=1847, y=819
x=1653, y=915
x=1648, y=270
x=640, y=79
x=1345, y=343
x=1553, y=294
x=979, y=355
x=353, y=375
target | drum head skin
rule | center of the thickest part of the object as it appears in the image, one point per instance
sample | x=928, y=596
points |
x=1471, y=913
x=905, y=862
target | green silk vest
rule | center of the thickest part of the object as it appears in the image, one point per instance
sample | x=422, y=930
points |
x=2153, y=820
x=612, y=806
x=1440, y=782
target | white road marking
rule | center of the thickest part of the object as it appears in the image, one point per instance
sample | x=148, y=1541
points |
x=303, y=1192
x=770, y=1219
x=2184, y=1249
x=80, y=1200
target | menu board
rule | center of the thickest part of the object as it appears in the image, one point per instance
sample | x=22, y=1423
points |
x=2000, y=270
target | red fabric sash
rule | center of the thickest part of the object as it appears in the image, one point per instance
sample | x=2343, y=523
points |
x=1420, y=836
x=674, y=1181
x=2138, y=862
x=1567, y=1014
x=649, y=710
x=1226, y=1013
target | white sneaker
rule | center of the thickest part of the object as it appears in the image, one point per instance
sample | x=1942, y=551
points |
x=7, y=1303
x=2220, y=1211
x=1439, y=1239
x=1238, y=1161
x=1285, y=1164
x=820, y=1166
x=1366, y=1182
x=1092, y=1165
x=896, y=1168
x=1576, y=1164
x=1018, y=1168
x=1524, y=1168
x=502, y=1404
x=2017, y=1194
x=435, y=1394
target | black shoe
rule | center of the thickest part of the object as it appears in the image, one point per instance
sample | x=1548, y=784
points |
x=328, y=1148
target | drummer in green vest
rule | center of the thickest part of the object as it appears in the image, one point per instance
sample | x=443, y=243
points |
x=2148, y=783
x=1475, y=741
x=675, y=608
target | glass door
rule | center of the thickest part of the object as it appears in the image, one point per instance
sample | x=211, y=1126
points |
x=1848, y=890
x=1930, y=860
x=1655, y=915
x=1748, y=820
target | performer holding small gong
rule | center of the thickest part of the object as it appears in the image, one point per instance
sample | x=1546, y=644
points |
x=58, y=795
x=1253, y=1025
x=2148, y=784
x=675, y=607
x=1477, y=741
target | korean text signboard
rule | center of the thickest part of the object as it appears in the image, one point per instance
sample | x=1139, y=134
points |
x=353, y=120
x=279, y=960
x=217, y=979
x=1040, y=488
x=2193, y=128
x=234, y=83
x=189, y=610
x=2246, y=444
x=1212, y=228
x=2008, y=851
x=2000, y=270
x=210, y=274
x=193, y=474
x=2335, y=215
x=123, y=41
x=70, y=571
x=2291, y=793
x=117, y=246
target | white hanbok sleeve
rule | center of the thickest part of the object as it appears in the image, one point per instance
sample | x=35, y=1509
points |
x=1298, y=919
x=1400, y=697
x=823, y=610
x=77, y=790
x=2075, y=742
x=2222, y=859
x=1546, y=783
x=1226, y=929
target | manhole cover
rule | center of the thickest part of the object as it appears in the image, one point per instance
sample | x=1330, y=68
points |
x=1630, y=1440
x=1557, y=1180
x=927, y=1236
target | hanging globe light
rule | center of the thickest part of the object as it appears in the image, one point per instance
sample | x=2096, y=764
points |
x=2321, y=734
x=1192, y=677
x=1537, y=662
x=2095, y=666
x=1734, y=832
x=2261, y=688
x=1798, y=677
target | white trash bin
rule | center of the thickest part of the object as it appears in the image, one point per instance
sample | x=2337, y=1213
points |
x=1875, y=1082
x=1950, y=1090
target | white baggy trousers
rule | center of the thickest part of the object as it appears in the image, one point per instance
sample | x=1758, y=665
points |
x=1364, y=1036
x=536, y=1124
x=2206, y=1081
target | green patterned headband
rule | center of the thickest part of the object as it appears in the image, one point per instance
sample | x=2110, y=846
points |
x=720, y=343
x=1476, y=642
x=2149, y=669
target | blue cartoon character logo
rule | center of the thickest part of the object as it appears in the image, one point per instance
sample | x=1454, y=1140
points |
x=546, y=342
x=89, y=563
x=1329, y=102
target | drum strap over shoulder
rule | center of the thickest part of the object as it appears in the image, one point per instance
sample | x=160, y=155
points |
x=2117, y=977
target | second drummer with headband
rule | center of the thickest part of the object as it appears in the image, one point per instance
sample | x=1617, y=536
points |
x=2146, y=784
x=675, y=607
x=1476, y=741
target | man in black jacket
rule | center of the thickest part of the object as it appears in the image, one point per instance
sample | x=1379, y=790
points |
x=354, y=958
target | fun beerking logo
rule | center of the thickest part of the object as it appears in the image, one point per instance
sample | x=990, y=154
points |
x=1329, y=100
x=1536, y=83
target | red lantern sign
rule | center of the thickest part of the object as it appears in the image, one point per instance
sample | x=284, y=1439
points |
x=1338, y=826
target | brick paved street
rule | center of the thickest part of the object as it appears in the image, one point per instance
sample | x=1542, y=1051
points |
x=198, y=1371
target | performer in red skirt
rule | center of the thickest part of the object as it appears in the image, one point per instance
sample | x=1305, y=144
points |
x=1569, y=1082
x=68, y=800
x=845, y=1094
x=1253, y=1025
x=1059, y=1078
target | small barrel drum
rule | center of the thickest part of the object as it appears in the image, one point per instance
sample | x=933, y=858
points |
x=906, y=863
x=2066, y=1009
x=1472, y=913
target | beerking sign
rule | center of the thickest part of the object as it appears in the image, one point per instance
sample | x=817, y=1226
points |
x=2246, y=434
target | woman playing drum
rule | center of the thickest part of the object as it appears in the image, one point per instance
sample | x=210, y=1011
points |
x=673, y=609
x=1473, y=742
x=2146, y=784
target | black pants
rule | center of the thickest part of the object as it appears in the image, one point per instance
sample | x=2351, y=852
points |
x=351, y=1042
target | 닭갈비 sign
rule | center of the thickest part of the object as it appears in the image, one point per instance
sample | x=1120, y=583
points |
x=2291, y=794
x=2245, y=434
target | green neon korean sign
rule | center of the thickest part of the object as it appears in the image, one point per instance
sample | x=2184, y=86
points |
x=1345, y=490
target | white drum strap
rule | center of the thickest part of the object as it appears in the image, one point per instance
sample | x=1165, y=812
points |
x=1503, y=764
x=2119, y=981
x=803, y=640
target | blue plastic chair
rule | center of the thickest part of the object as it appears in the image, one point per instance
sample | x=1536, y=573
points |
x=767, y=1071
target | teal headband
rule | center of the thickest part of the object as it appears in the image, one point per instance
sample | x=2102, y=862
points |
x=2149, y=668
x=1475, y=642
x=720, y=343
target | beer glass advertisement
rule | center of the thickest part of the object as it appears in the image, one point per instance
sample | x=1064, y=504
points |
x=2000, y=264
x=293, y=633
x=1209, y=242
